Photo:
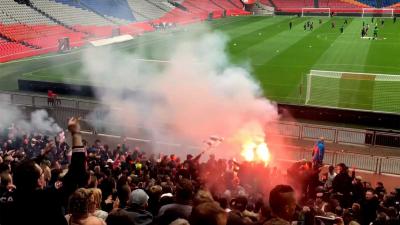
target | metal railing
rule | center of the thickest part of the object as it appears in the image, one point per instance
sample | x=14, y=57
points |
x=78, y=107
x=372, y=164
x=68, y=107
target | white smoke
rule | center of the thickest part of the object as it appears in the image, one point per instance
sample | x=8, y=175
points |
x=8, y=114
x=39, y=120
x=196, y=93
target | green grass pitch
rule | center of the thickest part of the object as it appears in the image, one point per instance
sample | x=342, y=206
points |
x=278, y=57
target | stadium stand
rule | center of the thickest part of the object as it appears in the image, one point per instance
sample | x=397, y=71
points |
x=289, y=5
x=341, y=4
x=116, y=8
x=21, y=13
x=22, y=24
x=146, y=10
x=36, y=26
x=379, y=4
x=391, y=3
x=78, y=18
x=8, y=48
x=71, y=15
x=105, y=9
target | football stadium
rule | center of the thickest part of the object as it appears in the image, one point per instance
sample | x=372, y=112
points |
x=199, y=112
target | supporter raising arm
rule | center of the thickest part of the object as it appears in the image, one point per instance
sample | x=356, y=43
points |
x=77, y=175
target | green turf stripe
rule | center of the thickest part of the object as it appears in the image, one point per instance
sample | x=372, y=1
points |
x=386, y=95
x=276, y=44
x=346, y=93
x=229, y=24
x=288, y=68
x=243, y=29
x=244, y=41
x=347, y=53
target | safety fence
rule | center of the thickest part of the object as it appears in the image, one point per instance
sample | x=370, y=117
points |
x=338, y=135
x=67, y=107
x=372, y=164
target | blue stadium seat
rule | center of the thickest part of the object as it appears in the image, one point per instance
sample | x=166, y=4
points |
x=116, y=8
x=71, y=3
x=379, y=3
x=386, y=3
x=372, y=3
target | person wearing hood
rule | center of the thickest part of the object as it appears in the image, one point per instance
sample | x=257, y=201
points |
x=136, y=208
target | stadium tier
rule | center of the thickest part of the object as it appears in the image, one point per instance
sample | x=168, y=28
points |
x=36, y=27
x=40, y=24
x=340, y=6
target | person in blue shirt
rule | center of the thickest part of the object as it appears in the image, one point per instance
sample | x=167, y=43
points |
x=319, y=152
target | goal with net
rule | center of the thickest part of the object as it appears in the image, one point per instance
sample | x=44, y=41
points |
x=315, y=12
x=375, y=12
x=376, y=92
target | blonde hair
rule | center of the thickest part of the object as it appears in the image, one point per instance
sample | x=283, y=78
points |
x=97, y=197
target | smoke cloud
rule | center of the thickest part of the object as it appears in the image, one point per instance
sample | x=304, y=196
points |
x=38, y=121
x=8, y=114
x=189, y=93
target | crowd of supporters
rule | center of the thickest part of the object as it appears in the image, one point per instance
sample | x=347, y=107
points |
x=44, y=180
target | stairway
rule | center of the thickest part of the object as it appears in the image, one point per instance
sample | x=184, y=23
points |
x=3, y=36
x=194, y=6
x=272, y=3
x=177, y=5
x=239, y=7
x=217, y=4
x=94, y=11
x=55, y=20
x=157, y=5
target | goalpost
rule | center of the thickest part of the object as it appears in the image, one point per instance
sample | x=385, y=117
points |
x=377, y=92
x=315, y=12
x=375, y=12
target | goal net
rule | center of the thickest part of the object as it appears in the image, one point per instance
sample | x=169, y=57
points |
x=315, y=12
x=381, y=12
x=376, y=92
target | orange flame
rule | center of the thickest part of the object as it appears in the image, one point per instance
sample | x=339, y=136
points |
x=256, y=152
x=253, y=146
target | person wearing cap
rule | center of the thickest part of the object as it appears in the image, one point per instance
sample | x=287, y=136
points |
x=136, y=208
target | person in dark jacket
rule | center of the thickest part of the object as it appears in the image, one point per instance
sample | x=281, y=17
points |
x=37, y=205
x=40, y=205
x=136, y=209
x=369, y=207
x=182, y=208
x=342, y=184
x=358, y=190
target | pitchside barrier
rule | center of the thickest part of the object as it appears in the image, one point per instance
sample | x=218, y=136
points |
x=315, y=12
x=302, y=131
x=77, y=107
x=366, y=163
